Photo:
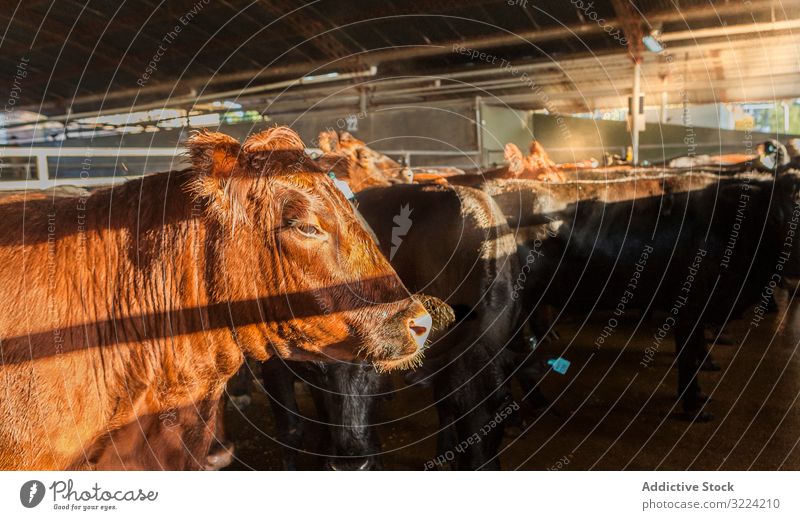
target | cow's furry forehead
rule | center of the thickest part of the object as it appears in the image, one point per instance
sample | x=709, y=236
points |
x=227, y=174
x=277, y=154
x=276, y=138
x=273, y=139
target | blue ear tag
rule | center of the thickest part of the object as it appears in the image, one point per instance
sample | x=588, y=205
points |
x=342, y=186
x=560, y=365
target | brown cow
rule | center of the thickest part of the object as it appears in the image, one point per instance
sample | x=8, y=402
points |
x=536, y=165
x=363, y=167
x=124, y=312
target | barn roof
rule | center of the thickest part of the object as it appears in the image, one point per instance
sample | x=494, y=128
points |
x=79, y=57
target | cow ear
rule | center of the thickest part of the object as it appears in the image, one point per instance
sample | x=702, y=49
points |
x=215, y=158
x=213, y=153
x=328, y=141
x=276, y=150
x=514, y=158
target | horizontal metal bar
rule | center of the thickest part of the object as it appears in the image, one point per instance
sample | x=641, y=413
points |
x=34, y=184
x=622, y=145
x=427, y=152
x=194, y=100
x=730, y=30
x=33, y=151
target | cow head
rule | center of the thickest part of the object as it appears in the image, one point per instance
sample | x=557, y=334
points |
x=347, y=395
x=367, y=168
x=536, y=165
x=281, y=235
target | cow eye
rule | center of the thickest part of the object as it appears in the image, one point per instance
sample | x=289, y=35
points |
x=308, y=230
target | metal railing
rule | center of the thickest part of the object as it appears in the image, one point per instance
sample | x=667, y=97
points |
x=36, y=168
x=31, y=168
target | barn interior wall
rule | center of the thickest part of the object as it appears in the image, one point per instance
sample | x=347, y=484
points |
x=577, y=138
x=501, y=125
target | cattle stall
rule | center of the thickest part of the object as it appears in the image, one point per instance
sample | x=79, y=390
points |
x=402, y=235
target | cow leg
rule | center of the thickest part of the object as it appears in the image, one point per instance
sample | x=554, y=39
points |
x=479, y=434
x=542, y=323
x=476, y=455
x=718, y=336
x=690, y=344
x=772, y=304
x=706, y=362
x=529, y=375
x=471, y=435
x=238, y=388
x=279, y=385
x=528, y=370
x=446, y=436
x=221, y=452
x=325, y=441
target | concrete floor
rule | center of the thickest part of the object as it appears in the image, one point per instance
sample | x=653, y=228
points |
x=608, y=412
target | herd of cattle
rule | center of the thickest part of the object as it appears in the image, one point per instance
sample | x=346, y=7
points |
x=127, y=311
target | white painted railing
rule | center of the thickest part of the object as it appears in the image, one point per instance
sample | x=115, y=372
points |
x=37, y=168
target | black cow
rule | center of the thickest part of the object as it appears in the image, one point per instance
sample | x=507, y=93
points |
x=704, y=247
x=344, y=395
x=452, y=243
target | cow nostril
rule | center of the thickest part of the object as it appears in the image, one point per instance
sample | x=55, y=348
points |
x=420, y=327
x=419, y=330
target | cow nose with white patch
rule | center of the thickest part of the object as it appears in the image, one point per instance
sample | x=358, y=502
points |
x=420, y=328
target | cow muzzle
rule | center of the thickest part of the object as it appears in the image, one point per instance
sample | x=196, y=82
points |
x=426, y=314
x=404, y=348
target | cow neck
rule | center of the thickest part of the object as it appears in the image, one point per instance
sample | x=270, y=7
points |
x=160, y=290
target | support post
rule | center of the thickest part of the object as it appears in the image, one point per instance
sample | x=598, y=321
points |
x=362, y=101
x=786, y=121
x=42, y=172
x=636, y=110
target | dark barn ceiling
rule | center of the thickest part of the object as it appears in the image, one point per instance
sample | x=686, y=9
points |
x=89, y=56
